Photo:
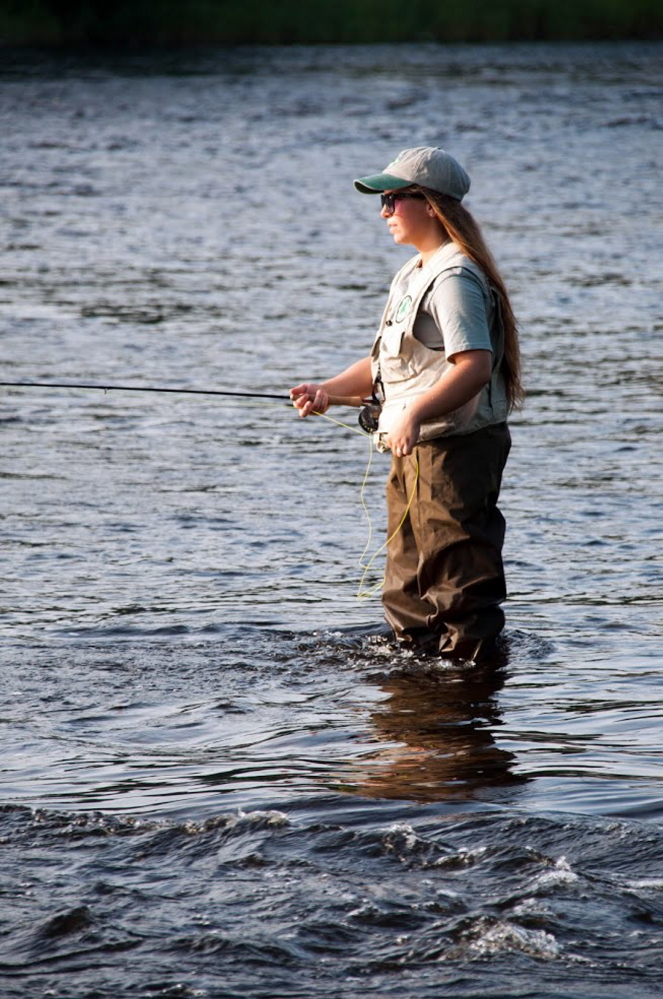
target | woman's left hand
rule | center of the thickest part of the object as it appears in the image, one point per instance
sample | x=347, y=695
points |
x=403, y=436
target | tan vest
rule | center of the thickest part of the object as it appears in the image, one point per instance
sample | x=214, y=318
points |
x=404, y=365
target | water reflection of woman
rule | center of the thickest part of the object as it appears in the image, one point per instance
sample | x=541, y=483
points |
x=445, y=366
x=440, y=741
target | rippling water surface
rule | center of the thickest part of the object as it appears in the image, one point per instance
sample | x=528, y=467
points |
x=218, y=779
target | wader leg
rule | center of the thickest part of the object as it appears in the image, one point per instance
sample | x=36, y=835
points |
x=455, y=537
x=406, y=611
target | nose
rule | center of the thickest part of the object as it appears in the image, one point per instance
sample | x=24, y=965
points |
x=385, y=213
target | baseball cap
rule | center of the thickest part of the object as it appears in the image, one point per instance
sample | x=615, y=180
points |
x=427, y=166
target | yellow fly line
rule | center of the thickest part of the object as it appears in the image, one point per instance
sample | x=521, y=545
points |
x=366, y=594
x=266, y=399
x=362, y=592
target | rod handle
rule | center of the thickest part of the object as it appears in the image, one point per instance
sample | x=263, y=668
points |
x=346, y=400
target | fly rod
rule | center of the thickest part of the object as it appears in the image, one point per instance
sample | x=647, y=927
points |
x=334, y=400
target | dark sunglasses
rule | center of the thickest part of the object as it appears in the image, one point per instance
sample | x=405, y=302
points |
x=388, y=201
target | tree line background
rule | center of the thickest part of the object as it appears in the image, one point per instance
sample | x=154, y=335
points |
x=176, y=22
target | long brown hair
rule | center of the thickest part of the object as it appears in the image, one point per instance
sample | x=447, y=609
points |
x=463, y=229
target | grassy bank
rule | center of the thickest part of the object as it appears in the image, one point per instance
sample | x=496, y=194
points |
x=164, y=22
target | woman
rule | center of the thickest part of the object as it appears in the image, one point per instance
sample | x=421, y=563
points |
x=446, y=365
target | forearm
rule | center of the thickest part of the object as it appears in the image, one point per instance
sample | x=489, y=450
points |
x=347, y=388
x=354, y=381
x=458, y=386
x=460, y=383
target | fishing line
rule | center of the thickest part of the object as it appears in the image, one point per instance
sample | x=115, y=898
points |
x=339, y=423
x=362, y=594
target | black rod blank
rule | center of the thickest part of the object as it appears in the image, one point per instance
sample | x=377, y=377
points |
x=141, y=388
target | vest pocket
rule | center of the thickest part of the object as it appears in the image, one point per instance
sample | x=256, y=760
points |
x=393, y=365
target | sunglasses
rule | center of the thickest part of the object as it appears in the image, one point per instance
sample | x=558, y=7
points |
x=388, y=201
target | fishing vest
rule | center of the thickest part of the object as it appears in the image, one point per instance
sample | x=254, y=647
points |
x=405, y=368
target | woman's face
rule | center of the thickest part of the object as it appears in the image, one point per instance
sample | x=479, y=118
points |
x=411, y=221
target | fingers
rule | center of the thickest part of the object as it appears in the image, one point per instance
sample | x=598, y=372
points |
x=400, y=445
x=299, y=390
x=309, y=398
x=403, y=436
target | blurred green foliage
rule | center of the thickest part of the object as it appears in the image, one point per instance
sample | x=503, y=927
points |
x=167, y=22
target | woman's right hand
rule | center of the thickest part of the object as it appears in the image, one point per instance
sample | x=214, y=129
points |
x=309, y=398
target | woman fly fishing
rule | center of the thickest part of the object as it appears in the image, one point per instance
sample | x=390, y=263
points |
x=445, y=369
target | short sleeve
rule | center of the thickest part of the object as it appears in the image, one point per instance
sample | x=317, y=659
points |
x=458, y=305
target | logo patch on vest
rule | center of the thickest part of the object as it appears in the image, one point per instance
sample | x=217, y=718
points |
x=403, y=309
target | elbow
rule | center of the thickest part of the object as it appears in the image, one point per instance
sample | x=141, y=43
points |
x=483, y=379
x=478, y=368
x=477, y=380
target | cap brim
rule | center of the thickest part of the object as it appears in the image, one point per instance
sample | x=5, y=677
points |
x=380, y=182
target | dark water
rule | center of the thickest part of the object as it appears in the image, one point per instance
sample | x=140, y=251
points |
x=215, y=781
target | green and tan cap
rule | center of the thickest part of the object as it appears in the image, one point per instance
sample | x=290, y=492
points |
x=427, y=166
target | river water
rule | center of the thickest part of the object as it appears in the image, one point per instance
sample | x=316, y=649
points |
x=217, y=781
